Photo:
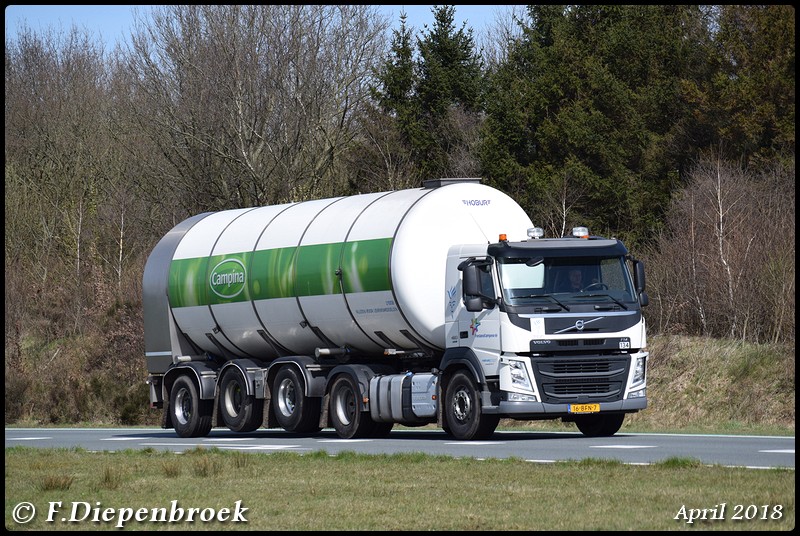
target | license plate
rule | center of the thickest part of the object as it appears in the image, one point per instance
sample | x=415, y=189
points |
x=584, y=408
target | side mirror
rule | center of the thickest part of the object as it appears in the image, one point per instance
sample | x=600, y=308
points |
x=638, y=276
x=471, y=280
x=473, y=304
x=639, y=282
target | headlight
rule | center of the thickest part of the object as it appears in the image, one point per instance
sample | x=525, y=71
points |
x=519, y=376
x=641, y=393
x=516, y=397
x=639, y=370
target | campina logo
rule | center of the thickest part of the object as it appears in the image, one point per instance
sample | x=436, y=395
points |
x=228, y=278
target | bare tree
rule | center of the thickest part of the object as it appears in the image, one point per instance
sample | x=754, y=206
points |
x=253, y=104
x=56, y=136
x=725, y=268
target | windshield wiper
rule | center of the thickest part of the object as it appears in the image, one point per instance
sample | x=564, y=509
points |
x=548, y=296
x=605, y=296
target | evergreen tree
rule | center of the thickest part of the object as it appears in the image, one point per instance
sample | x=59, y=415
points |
x=434, y=97
x=587, y=115
x=449, y=91
x=396, y=96
x=754, y=90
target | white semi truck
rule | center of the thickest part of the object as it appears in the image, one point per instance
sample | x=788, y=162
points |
x=435, y=305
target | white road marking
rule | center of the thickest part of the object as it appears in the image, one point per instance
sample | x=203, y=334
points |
x=122, y=438
x=26, y=438
x=476, y=443
x=262, y=447
x=623, y=446
x=229, y=439
x=187, y=445
x=779, y=451
x=344, y=441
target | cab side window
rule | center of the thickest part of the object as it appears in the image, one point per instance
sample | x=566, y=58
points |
x=487, y=284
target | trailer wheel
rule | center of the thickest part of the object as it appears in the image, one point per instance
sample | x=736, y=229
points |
x=600, y=425
x=381, y=430
x=191, y=416
x=240, y=412
x=463, y=410
x=345, y=409
x=293, y=410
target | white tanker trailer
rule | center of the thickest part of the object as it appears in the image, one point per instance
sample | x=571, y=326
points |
x=439, y=304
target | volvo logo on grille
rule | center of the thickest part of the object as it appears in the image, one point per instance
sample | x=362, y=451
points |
x=579, y=325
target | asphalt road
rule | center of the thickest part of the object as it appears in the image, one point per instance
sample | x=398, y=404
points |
x=544, y=447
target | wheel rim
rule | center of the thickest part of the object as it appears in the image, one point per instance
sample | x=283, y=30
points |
x=233, y=399
x=286, y=398
x=183, y=406
x=345, y=406
x=462, y=405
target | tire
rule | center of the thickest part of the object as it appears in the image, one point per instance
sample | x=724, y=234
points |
x=345, y=409
x=463, y=410
x=293, y=410
x=600, y=425
x=446, y=427
x=191, y=417
x=381, y=429
x=240, y=412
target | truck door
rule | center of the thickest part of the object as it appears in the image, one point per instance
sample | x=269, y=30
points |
x=479, y=318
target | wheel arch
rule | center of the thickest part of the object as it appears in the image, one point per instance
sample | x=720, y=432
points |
x=313, y=386
x=203, y=373
x=463, y=358
x=252, y=371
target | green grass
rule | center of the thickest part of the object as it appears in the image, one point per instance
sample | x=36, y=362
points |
x=316, y=491
x=695, y=385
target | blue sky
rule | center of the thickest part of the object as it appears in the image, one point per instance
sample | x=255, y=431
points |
x=112, y=23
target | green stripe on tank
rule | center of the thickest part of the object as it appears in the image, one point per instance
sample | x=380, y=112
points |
x=316, y=270
x=365, y=266
x=272, y=272
x=281, y=273
x=187, y=286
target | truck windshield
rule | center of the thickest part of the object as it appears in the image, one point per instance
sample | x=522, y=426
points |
x=529, y=281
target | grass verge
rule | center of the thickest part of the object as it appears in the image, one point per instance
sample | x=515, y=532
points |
x=289, y=491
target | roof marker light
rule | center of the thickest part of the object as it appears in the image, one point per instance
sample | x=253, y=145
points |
x=580, y=232
x=535, y=233
x=503, y=237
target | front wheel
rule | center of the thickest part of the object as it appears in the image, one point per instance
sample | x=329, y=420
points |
x=600, y=425
x=463, y=410
x=191, y=417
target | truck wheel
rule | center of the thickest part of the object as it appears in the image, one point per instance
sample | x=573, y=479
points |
x=463, y=410
x=381, y=430
x=600, y=425
x=294, y=411
x=345, y=409
x=191, y=417
x=240, y=412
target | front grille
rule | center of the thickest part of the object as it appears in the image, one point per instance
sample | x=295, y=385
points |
x=585, y=389
x=580, y=367
x=581, y=342
x=581, y=379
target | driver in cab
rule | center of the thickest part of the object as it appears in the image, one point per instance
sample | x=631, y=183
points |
x=571, y=281
x=575, y=280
